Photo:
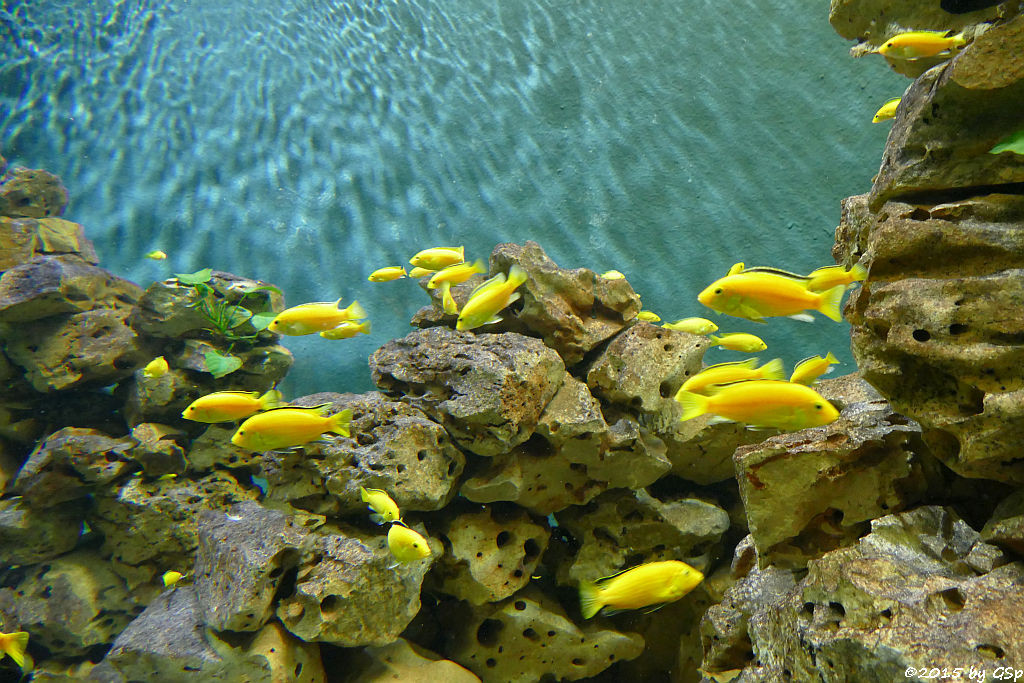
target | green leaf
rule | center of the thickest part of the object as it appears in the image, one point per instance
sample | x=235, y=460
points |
x=236, y=315
x=269, y=288
x=261, y=320
x=218, y=365
x=1011, y=143
x=195, y=278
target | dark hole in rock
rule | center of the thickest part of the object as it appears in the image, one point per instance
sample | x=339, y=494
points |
x=531, y=548
x=298, y=669
x=919, y=214
x=921, y=335
x=330, y=605
x=838, y=607
x=953, y=598
x=122, y=363
x=518, y=573
x=550, y=634
x=96, y=653
x=668, y=347
x=886, y=613
x=488, y=631
x=530, y=634
x=665, y=390
x=578, y=661
x=400, y=468
x=47, y=592
x=520, y=605
x=957, y=328
x=286, y=587
x=421, y=456
x=990, y=651
x=491, y=663
x=451, y=468
x=809, y=607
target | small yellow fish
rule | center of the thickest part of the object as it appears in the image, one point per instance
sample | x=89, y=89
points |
x=229, y=406
x=287, y=427
x=314, y=317
x=170, y=476
x=488, y=299
x=648, y=317
x=156, y=255
x=762, y=403
x=759, y=293
x=725, y=373
x=736, y=268
x=157, y=367
x=920, y=44
x=384, y=508
x=654, y=583
x=458, y=273
x=437, y=258
x=447, y=300
x=828, y=277
x=810, y=369
x=421, y=272
x=612, y=275
x=387, y=274
x=172, y=577
x=347, y=330
x=739, y=341
x=13, y=645
x=887, y=110
x=406, y=544
x=693, y=326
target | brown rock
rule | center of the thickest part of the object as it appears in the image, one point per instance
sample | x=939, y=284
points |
x=29, y=193
x=50, y=285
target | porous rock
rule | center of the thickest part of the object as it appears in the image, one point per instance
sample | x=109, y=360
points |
x=69, y=604
x=347, y=592
x=1006, y=526
x=906, y=595
x=242, y=555
x=29, y=534
x=72, y=463
x=493, y=553
x=573, y=310
x=23, y=238
x=32, y=193
x=51, y=285
x=528, y=637
x=936, y=325
x=158, y=449
x=289, y=658
x=407, y=662
x=624, y=528
x=487, y=390
x=810, y=491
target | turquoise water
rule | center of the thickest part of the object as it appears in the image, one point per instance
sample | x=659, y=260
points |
x=309, y=142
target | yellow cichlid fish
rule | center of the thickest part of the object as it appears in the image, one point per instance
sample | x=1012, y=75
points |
x=921, y=44
x=736, y=268
x=156, y=255
x=612, y=275
x=170, y=578
x=693, y=326
x=13, y=645
x=739, y=341
x=437, y=258
x=648, y=317
x=405, y=544
x=828, y=277
x=654, y=583
x=229, y=406
x=383, y=507
x=810, y=369
x=456, y=274
x=157, y=367
x=762, y=403
x=756, y=294
x=726, y=373
x=347, y=330
x=887, y=110
x=314, y=317
x=488, y=299
x=287, y=427
x=387, y=274
x=447, y=300
x=421, y=272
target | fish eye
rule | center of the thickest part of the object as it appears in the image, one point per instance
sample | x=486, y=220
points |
x=241, y=431
x=818, y=406
x=718, y=291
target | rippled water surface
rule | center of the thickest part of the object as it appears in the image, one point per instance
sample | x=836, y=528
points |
x=309, y=142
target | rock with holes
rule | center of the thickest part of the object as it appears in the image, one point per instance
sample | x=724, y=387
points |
x=810, y=491
x=626, y=528
x=159, y=449
x=70, y=604
x=528, y=637
x=1006, y=526
x=909, y=594
x=573, y=310
x=405, y=661
x=487, y=390
x=936, y=327
x=29, y=534
x=242, y=555
x=23, y=238
x=154, y=522
x=493, y=553
x=289, y=658
x=169, y=642
x=53, y=285
x=349, y=591
x=32, y=193
x=213, y=448
x=72, y=463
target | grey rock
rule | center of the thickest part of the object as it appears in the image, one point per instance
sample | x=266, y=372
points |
x=159, y=449
x=404, y=661
x=29, y=534
x=32, y=193
x=51, y=285
x=23, y=238
x=1006, y=527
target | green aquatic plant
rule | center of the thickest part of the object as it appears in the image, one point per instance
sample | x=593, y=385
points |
x=224, y=318
x=1014, y=142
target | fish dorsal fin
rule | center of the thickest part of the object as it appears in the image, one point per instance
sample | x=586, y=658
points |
x=717, y=387
x=234, y=392
x=804, y=360
x=776, y=271
x=748, y=363
x=496, y=280
x=319, y=408
x=605, y=579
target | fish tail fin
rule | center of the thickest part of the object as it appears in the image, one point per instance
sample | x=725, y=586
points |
x=516, y=275
x=715, y=340
x=831, y=358
x=772, y=369
x=479, y=266
x=14, y=645
x=694, y=405
x=365, y=327
x=831, y=300
x=355, y=311
x=959, y=39
x=340, y=422
x=590, y=599
x=859, y=272
x=271, y=399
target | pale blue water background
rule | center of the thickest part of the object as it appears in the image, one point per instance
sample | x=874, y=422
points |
x=309, y=142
